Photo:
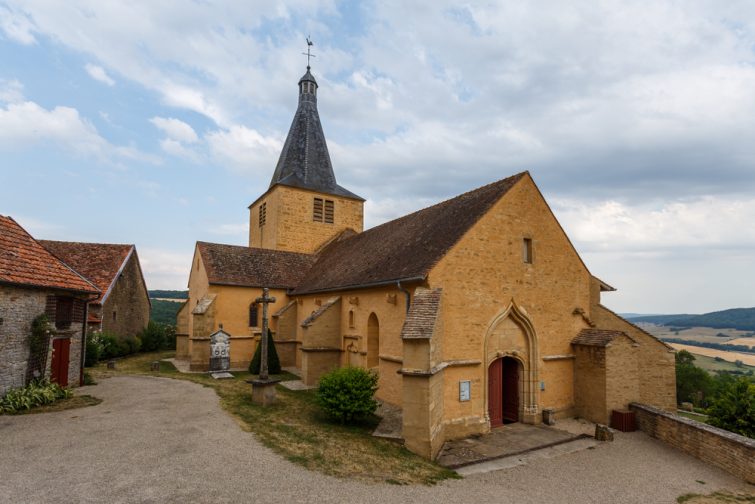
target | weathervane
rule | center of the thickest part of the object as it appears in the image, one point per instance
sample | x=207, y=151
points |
x=308, y=53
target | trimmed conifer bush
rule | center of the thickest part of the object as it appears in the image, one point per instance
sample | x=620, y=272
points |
x=348, y=394
x=273, y=363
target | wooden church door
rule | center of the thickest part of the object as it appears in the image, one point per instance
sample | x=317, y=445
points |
x=60, y=357
x=495, y=393
x=510, y=409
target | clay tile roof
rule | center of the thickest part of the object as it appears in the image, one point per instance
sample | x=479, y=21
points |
x=322, y=309
x=100, y=263
x=24, y=261
x=253, y=267
x=402, y=249
x=597, y=337
x=420, y=321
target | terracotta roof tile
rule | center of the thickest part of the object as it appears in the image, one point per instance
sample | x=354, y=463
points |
x=24, y=261
x=100, y=263
x=597, y=337
x=402, y=249
x=253, y=267
x=420, y=321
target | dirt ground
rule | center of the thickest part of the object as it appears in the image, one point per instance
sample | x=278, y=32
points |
x=163, y=440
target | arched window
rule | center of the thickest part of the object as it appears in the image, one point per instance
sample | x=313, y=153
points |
x=373, y=341
x=253, y=315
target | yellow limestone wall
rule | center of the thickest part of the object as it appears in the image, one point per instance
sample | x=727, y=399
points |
x=657, y=371
x=230, y=308
x=289, y=223
x=622, y=375
x=389, y=305
x=480, y=277
x=590, y=383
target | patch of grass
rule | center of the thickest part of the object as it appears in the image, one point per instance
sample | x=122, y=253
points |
x=714, y=498
x=77, y=401
x=296, y=428
x=691, y=416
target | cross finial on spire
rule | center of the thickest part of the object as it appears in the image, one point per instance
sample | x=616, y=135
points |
x=308, y=53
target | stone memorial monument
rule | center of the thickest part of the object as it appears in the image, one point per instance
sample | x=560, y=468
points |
x=220, y=354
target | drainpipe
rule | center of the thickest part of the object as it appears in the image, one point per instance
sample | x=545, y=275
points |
x=407, y=294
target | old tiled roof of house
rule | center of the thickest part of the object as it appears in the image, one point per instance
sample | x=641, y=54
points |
x=597, y=337
x=420, y=321
x=402, y=249
x=23, y=261
x=253, y=267
x=100, y=263
x=318, y=312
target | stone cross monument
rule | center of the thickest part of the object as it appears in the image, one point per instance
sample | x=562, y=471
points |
x=263, y=388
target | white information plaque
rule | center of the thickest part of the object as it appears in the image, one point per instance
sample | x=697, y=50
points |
x=464, y=390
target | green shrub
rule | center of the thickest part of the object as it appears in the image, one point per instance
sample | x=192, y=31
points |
x=111, y=346
x=153, y=337
x=133, y=344
x=273, y=363
x=89, y=379
x=734, y=408
x=93, y=349
x=37, y=393
x=348, y=394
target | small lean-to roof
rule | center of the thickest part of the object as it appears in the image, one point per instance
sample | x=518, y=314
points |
x=253, y=267
x=100, y=263
x=403, y=249
x=598, y=337
x=23, y=261
x=423, y=313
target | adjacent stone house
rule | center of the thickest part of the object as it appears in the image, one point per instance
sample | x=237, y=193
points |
x=123, y=307
x=34, y=282
x=475, y=312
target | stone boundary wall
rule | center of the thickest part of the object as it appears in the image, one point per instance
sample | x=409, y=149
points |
x=729, y=451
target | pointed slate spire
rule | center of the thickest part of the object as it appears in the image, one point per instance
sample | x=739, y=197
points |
x=304, y=161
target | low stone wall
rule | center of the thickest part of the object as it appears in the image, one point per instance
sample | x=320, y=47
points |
x=729, y=451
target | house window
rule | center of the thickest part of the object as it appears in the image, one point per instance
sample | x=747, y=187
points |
x=323, y=211
x=351, y=318
x=527, y=250
x=253, y=315
x=63, y=312
x=263, y=214
x=114, y=316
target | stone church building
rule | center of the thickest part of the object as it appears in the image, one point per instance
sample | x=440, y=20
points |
x=476, y=312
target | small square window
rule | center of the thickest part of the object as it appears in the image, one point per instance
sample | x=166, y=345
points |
x=527, y=250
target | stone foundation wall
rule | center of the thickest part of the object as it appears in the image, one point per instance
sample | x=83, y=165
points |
x=729, y=451
x=18, y=307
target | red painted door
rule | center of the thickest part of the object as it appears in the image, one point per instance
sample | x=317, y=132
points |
x=495, y=394
x=60, y=356
x=510, y=390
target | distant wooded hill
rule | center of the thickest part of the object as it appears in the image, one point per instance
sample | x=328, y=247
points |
x=169, y=294
x=165, y=311
x=735, y=318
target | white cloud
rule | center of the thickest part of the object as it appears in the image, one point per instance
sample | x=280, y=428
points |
x=98, y=73
x=237, y=229
x=245, y=149
x=175, y=129
x=16, y=26
x=176, y=148
x=165, y=269
x=11, y=91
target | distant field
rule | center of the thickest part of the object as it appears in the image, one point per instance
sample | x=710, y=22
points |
x=743, y=341
x=172, y=300
x=701, y=334
x=748, y=359
x=711, y=365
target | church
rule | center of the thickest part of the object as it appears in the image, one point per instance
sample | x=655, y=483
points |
x=475, y=312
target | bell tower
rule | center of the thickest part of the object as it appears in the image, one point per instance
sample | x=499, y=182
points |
x=304, y=207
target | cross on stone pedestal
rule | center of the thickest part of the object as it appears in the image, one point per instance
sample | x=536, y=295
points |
x=263, y=388
x=264, y=301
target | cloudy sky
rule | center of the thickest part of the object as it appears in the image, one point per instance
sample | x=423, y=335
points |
x=157, y=123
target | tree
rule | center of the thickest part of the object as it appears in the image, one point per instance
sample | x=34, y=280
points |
x=693, y=384
x=273, y=363
x=734, y=408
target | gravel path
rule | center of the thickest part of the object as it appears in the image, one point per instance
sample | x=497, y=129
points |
x=164, y=440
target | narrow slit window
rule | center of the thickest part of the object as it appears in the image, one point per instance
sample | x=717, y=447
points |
x=318, y=210
x=253, y=315
x=263, y=214
x=329, y=211
x=527, y=250
x=351, y=318
x=115, y=316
